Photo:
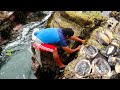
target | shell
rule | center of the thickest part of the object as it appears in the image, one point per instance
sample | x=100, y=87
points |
x=100, y=67
x=91, y=51
x=102, y=38
x=117, y=68
x=109, y=34
x=82, y=68
x=111, y=50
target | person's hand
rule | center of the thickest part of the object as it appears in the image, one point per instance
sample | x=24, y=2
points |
x=83, y=41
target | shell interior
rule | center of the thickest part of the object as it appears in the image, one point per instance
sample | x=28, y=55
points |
x=101, y=66
x=110, y=50
x=83, y=67
x=102, y=39
x=91, y=51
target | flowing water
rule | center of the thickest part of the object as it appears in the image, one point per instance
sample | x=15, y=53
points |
x=15, y=59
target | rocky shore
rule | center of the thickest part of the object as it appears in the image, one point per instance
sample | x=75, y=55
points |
x=98, y=57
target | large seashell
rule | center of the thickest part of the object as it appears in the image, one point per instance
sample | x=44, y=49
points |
x=102, y=38
x=82, y=68
x=109, y=34
x=117, y=68
x=91, y=51
x=100, y=67
x=111, y=50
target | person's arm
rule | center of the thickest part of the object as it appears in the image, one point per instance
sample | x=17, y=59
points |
x=69, y=50
x=77, y=39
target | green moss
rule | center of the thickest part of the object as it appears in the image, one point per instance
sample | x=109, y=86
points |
x=85, y=16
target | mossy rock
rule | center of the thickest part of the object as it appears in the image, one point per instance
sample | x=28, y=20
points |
x=84, y=18
x=79, y=21
x=59, y=21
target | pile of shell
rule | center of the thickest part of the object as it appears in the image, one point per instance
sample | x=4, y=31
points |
x=100, y=57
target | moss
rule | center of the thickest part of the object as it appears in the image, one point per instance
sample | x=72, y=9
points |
x=85, y=17
x=68, y=19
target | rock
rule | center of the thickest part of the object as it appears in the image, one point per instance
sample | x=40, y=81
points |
x=69, y=72
x=83, y=18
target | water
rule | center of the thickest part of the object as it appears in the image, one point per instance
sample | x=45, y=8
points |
x=18, y=64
